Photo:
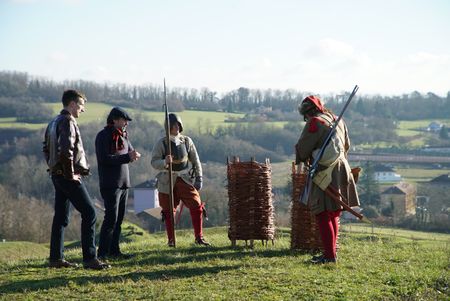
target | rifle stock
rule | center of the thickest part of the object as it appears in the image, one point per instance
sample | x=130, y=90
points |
x=336, y=196
x=169, y=150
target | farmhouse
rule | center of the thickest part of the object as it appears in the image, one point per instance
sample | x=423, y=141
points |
x=434, y=127
x=400, y=200
x=383, y=173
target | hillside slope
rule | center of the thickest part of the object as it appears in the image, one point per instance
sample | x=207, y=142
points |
x=371, y=267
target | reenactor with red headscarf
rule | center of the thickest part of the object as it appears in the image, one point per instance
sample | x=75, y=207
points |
x=333, y=170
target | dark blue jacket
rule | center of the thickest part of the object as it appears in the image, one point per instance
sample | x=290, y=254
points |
x=113, y=169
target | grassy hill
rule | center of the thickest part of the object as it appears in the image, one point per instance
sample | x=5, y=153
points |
x=21, y=250
x=96, y=111
x=372, y=266
x=415, y=130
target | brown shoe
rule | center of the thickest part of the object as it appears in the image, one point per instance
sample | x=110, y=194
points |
x=202, y=241
x=61, y=263
x=171, y=244
x=96, y=264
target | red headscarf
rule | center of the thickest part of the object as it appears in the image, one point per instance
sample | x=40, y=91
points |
x=315, y=101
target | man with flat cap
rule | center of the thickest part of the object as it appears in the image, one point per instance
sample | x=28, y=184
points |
x=114, y=151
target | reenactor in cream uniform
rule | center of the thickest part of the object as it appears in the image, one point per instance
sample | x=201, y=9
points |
x=187, y=178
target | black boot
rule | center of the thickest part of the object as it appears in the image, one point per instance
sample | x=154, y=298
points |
x=202, y=241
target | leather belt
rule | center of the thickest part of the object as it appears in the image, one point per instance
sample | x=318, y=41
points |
x=58, y=172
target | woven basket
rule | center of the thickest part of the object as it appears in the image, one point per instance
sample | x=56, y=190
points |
x=304, y=232
x=251, y=212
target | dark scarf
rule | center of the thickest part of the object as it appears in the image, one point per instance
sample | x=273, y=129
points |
x=117, y=144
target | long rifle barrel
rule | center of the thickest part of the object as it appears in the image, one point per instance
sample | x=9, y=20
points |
x=169, y=153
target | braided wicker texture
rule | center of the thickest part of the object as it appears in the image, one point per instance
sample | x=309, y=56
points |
x=305, y=232
x=251, y=211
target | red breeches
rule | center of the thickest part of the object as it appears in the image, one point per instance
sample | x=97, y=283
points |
x=328, y=222
x=190, y=197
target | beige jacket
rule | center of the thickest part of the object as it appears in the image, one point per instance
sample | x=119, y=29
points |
x=158, y=162
x=311, y=139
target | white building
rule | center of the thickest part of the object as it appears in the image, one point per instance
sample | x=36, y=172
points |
x=383, y=173
x=145, y=196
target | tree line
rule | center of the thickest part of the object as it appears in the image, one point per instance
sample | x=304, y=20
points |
x=412, y=106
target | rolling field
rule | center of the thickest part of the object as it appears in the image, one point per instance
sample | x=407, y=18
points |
x=96, y=111
x=411, y=129
x=420, y=174
x=99, y=112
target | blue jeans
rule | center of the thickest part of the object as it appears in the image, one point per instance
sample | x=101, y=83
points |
x=115, y=200
x=76, y=193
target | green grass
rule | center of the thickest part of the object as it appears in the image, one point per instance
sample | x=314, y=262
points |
x=12, y=251
x=371, y=267
x=191, y=119
x=99, y=111
x=417, y=124
x=395, y=232
x=197, y=120
x=411, y=129
x=420, y=174
x=11, y=123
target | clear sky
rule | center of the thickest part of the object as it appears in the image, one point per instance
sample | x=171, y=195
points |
x=384, y=46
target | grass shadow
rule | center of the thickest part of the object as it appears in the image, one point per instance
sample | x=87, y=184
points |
x=99, y=277
x=195, y=254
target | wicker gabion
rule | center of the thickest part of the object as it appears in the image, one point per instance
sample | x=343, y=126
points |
x=251, y=212
x=305, y=232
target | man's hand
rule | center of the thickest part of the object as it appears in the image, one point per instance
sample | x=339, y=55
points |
x=76, y=178
x=134, y=155
x=198, y=183
x=168, y=159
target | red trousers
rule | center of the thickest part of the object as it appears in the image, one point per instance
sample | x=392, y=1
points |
x=328, y=222
x=191, y=199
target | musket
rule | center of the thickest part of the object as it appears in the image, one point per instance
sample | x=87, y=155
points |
x=313, y=168
x=169, y=153
x=336, y=196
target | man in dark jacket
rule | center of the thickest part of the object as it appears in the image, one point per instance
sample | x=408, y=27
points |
x=67, y=162
x=114, y=152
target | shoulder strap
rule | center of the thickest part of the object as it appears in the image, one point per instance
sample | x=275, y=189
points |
x=339, y=130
